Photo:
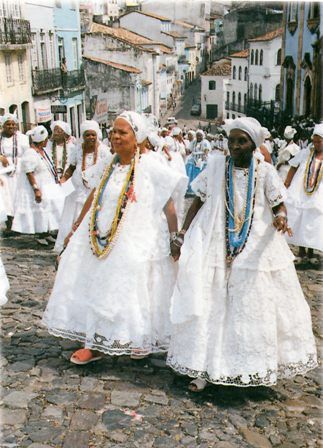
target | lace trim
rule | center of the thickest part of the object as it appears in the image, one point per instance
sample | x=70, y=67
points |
x=247, y=380
x=109, y=347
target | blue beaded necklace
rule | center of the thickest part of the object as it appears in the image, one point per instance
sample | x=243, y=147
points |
x=236, y=238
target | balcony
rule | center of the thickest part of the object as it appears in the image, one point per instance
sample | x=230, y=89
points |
x=46, y=80
x=14, y=31
x=54, y=79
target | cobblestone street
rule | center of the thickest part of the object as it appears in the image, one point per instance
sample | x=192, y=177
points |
x=49, y=402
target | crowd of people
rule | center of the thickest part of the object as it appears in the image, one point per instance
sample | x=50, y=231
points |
x=216, y=289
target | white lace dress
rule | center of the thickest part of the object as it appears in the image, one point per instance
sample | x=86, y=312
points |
x=60, y=155
x=248, y=325
x=32, y=217
x=10, y=179
x=305, y=212
x=120, y=302
x=75, y=201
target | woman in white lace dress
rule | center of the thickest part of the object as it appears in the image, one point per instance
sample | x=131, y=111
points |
x=305, y=198
x=80, y=158
x=240, y=317
x=13, y=144
x=115, y=278
x=39, y=204
x=60, y=145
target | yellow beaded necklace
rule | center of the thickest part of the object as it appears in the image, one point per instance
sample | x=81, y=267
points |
x=307, y=174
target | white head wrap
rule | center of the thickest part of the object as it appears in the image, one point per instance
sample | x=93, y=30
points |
x=199, y=131
x=7, y=117
x=289, y=132
x=63, y=125
x=176, y=131
x=90, y=125
x=164, y=130
x=193, y=133
x=154, y=140
x=267, y=134
x=152, y=123
x=251, y=126
x=39, y=134
x=318, y=130
x=138, y=124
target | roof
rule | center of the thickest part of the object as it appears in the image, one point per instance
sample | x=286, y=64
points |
x=174, y=34
x=124, y=35
x=116, y=65
x=165, y=49
x=189, y=46
x=150, y=14
x=220, y=68
x=145, y=83
x=240, y=54
x=187, y=25
x=268, y=36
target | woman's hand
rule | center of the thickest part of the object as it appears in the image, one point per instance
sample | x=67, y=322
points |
x=4, y=161
x=38, y=196
x=175, y=250
x=67, y=239
x=280, y=223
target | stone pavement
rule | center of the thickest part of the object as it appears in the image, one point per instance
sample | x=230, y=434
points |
x=118, y=402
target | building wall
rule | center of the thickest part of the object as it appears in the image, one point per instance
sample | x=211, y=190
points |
x=211, y=97
x=236, y=85
x=148, y=26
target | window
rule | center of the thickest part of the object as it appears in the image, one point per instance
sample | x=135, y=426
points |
x=21, y=67
x=277, y=93
x=234, y=72
x=75, y=54
x=256, y=57
x=293, y=12
x=7, y=59
x=251, y=91
x=43, y=51
x=256, y=92
x=228, y=97
x=239, y=99
x=252, y=57
x=212, y=85
x=233, y=116
x=34, y=54
x=240, y=73
x=260, y=92
x=261, y=58
x=245, y=99
x=52, y=50
x=233, y=98
x=279, y=57
x=246, y=74
x=228, y=115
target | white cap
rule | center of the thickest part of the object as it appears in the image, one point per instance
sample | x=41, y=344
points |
x=289, y=132
x=39, y=134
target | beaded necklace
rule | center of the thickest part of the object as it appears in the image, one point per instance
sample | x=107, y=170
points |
x=84, y=156
x=64, y=158
x=14, y=151
x=49, y=163
x=238, y=228
x=102, y=245
x=310, y=166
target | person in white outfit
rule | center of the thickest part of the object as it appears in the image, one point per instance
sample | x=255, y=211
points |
x=39, y=204
x=89, y=152
x=13, y=145
x=4, y=282
x=115, y=278
x=287, y=151
x=238, y=311
x=305, y=199
x=60, y=146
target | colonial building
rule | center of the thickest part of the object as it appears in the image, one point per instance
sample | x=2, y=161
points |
x=15, y=79
x=301, y=75
x=236, y=95
x=213, y=87
x=57, y=86
x=264, y=77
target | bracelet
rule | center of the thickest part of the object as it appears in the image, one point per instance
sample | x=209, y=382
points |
x=281, y=214
x=75, y=226
x=172, y=236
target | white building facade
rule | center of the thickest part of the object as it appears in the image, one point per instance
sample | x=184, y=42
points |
x=236, y=95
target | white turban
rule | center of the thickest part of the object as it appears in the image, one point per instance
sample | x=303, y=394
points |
x=138, y=124
x=164, y=130
x=39, y=134
x=63, y=125
x=318, y=130
x=176, y=131
x=251, y=126
x=267, y=134
x=191, y=132
x=7, y=117
x=199, y=131
x=154, y=140
x=289, y=132
x=152, y=123
x=90, y=125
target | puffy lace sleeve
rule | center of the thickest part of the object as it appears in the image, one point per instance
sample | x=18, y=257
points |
x=93, y=174
x=298, y=159
x=275, y=190
x=72, y=155
x=199, y=185
x=29, y=161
